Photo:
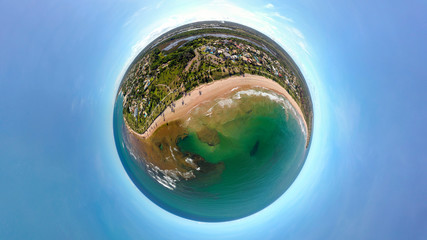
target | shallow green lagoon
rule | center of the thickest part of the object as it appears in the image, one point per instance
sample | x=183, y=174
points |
x=257, y=152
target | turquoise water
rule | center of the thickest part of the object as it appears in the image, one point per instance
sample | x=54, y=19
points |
x=261, y=150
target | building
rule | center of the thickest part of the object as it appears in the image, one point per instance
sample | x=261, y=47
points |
x=135, y=113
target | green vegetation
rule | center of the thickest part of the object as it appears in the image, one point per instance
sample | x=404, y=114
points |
x=178, y=64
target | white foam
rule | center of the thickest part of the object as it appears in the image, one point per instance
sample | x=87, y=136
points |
x=189, y=160
x=168, y=177
x=173, y=155
x=225, y=102
x=161, y=176
x=209, y=111
x=287, y=106
x=253, y=92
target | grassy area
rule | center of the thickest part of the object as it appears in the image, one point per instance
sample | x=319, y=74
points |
x=160, y=77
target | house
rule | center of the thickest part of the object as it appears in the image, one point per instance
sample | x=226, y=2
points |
x=275, y=71
x=147, y=84
x=135, y=113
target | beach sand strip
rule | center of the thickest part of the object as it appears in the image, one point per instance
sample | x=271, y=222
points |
x=214, y=90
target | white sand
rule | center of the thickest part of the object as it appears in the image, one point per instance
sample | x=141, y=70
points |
x=213, y=90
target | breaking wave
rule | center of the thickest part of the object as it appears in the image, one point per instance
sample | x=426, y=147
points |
x=287, y=106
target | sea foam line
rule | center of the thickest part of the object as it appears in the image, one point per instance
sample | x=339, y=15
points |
x=287, y=106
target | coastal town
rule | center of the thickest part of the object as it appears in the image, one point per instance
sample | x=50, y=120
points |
x=188, y=84
x=172, y=70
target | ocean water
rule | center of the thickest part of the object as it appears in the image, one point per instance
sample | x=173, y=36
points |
x=252, y=148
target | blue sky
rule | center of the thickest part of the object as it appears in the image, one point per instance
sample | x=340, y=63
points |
x=60, y=66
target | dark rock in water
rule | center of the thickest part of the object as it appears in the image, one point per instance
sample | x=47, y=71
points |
x=208, y=136
x=208, y=173
x=254, y=149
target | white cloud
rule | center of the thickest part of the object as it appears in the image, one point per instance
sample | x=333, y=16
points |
x=276, y=14
x=270, y=6
x=218, y=10
x=159, y=4
x=347, y=112
x=304, y=47
x=134, y=16
x=297, y=32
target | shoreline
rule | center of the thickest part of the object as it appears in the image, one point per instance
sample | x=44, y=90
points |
x=213, y=90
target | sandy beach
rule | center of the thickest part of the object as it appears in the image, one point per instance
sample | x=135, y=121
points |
x=213, y=90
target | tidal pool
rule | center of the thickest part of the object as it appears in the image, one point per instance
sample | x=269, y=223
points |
x=243, y=152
